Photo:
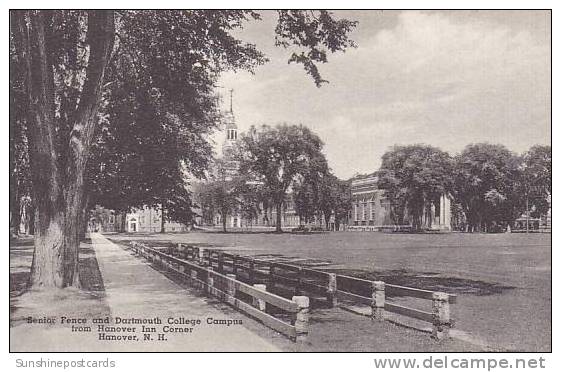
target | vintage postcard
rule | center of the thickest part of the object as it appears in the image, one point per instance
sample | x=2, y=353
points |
x=280, y=181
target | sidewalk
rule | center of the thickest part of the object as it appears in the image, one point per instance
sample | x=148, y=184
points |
x=136, y=290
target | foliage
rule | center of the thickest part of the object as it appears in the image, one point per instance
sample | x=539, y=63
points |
x=413, y=177
x=316, y=32
x=277, y=156
x=488, y=185
x=135, y=67
x=222, y=195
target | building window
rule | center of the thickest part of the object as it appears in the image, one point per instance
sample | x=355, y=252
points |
x=111, y=219
x=364, y=214
x=372, y=211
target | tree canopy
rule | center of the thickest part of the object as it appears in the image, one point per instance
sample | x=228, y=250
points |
x=277, y=156
x=413, y=177
x=128, y=83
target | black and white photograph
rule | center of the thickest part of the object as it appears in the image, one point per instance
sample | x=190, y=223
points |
x=228, y=180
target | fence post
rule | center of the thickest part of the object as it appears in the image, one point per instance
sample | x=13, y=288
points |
x=231, y=289
x=301, y=318
x=158, y=258
x=378, y=300
x=251, y=271
x=181, y=268
x=202, y=256
x=257, y=303
x=298, y=289
x=271, y=285
x=194, y=281
x=234, y=264
x=220, y=262
x=332, y=290
x=209, y=279
x=440, y=315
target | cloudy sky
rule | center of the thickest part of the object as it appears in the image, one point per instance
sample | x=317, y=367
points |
x=446, y=78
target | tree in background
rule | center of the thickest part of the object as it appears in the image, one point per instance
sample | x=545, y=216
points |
x=487, y=185
x=277, y=156
x=222, y=195
x=308, y=190
x=76, y=62
x=534, y=184
x=414, y=177
x=342, y=201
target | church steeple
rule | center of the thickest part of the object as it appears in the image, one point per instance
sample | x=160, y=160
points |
x=230, y=128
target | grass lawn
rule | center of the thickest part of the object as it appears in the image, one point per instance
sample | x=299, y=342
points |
x=503, y=280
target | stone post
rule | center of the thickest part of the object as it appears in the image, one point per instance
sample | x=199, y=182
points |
x=231, y=288
x=220, y=262
x=181, y=267
x=235, y=264
x=251, y=271
x=271, y=285
x=378, y=300
x=202, y=256
x=299, y=278
x=194, y=281
x=332, y=290
x=209, y=279
x=257, y=303
x=301, y=317
x=440, y=315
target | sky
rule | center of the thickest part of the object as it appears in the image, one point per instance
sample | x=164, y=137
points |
x=442, y=78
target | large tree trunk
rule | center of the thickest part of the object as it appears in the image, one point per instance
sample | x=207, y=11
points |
x=15, y=213
x=58, y=185
x=31, y=220
x=163, y=223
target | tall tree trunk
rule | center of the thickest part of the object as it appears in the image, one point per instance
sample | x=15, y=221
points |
x=223, y=217
x=84, y=219
x=163, y=226
x=279, y=217
x=123, y=222
x=15, y=213
x=31, y=220
x=58, y=186
x=327, y=216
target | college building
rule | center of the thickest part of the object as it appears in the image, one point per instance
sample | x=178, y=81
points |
x=371, y=209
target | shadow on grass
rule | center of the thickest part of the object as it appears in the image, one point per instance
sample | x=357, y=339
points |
x=264, y=232
x=90, y=275
x=160, y=243
x=429, y=281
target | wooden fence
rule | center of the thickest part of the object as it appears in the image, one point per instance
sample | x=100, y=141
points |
x=373, y=293
x=290, y=317
x=286, y=281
